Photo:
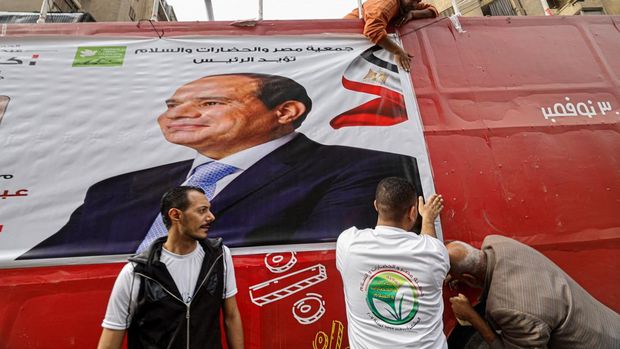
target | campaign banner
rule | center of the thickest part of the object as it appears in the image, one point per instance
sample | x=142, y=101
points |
x=94, y=130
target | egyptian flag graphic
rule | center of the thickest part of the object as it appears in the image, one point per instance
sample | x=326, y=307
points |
x=373, y=73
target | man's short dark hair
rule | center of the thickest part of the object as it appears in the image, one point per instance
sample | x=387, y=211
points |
x=394, y=197
x=275, y=89
x=176, y=198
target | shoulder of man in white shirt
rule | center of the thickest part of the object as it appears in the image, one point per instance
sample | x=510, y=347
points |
x=342, y=244
x=346, y=236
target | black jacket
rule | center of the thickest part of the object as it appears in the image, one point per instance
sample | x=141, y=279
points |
x=162, y=319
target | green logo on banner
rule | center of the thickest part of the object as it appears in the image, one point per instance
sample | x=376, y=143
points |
x=99, y=56
x=392, y=297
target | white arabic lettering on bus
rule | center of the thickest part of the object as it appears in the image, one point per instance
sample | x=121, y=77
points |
x=587, y=109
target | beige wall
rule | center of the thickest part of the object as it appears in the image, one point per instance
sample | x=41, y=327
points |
x=35, y=5
x=142, y=8
x=441, y=5
x=470, y=8
x=20, y=5
x=611, y=7
x=467, y=7
x=101, y=10
x=531, y=7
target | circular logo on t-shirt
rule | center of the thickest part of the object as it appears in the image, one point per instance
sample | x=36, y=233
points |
x=392, y=296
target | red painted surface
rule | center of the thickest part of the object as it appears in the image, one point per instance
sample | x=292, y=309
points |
x=503, y=168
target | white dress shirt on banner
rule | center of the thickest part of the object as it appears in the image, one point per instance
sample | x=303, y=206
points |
x=241, y=160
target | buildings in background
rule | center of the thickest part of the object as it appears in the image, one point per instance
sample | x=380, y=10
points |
x=68, y=11
x=529, y=7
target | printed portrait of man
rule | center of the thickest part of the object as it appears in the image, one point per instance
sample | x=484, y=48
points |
x=268, y=183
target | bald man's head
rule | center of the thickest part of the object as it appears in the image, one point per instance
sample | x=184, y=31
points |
x=467, y=263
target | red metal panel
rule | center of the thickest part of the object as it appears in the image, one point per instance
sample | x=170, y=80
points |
x=505, y=169
x=63, y=307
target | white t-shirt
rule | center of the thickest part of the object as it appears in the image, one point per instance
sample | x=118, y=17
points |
x=184, y=270
x=393, y=287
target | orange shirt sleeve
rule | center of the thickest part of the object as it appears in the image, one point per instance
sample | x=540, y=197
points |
x=377, y=16
x=351, y=15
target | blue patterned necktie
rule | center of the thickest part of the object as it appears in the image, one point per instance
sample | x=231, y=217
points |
x=205, y=176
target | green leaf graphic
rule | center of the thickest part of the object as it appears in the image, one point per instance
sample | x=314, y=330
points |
x=386, y=309
x=392, y=297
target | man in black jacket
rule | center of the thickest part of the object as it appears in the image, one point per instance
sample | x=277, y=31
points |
x=170, y=295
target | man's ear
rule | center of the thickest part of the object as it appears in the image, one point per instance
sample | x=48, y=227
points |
x=289, y=111
x=375, y=204
x=413, y=212
x=174, y=214
x=470, y=279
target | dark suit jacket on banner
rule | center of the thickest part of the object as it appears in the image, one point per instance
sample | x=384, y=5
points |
x=301, y=192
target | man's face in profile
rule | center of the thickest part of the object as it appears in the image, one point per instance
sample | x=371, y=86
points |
x=197, y=218
x=218, y=116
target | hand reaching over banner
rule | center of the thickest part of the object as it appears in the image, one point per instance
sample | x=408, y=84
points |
x=371, y=74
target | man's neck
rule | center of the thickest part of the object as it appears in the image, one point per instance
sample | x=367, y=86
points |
x=482, y=273
x=180, y=246
x=400, y=225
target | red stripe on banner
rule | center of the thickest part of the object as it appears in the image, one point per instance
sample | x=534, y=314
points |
x=378, y=112
x=371, y=89
x=387, y=110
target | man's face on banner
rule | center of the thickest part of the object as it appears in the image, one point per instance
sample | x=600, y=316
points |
x=218, y=116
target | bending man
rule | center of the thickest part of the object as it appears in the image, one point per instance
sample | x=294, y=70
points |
x=531, y=300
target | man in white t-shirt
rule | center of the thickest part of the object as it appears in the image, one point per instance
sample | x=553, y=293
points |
x=170, y=295
x=392, y=277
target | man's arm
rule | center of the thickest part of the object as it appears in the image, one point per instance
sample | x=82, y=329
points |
x=463, y=310
x=232, y=324
x=376, y=21
x=403, y=58
x=519, y=330
x=120, y=308
x=416, y=14
x=429, y=213
x=111, y=339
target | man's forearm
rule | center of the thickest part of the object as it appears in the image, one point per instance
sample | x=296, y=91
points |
x=234, y=332
x=390, y=45
x=111, y=339
x=485, y=331
x=428, y=227
x=426, y=13
x=402, y=57
x=232, y=324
